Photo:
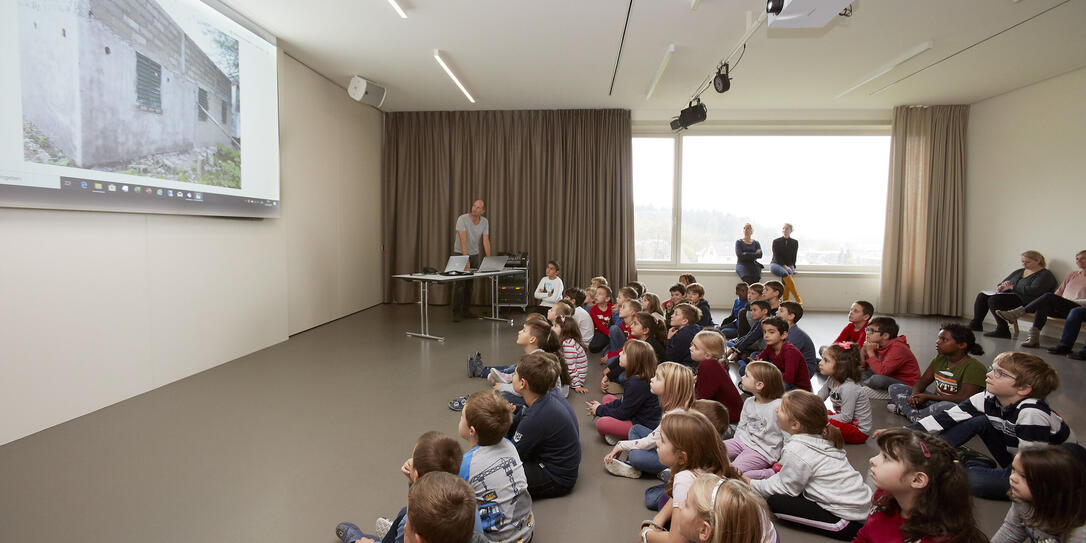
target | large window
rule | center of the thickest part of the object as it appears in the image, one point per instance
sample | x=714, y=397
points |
x=831, y=188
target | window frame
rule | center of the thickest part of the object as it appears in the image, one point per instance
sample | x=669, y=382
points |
x=203, y=104
x=144, y=101
x=660, y=130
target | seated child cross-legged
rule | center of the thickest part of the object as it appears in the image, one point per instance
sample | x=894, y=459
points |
x=753, y=341
x=851, y=407
x=816, y=488
x=575, y=297
x=545, y=430
x=720, y=510
x=433, y=452
x=601, y=319
x=886, y=359
x=1046, y=488
x=784, y=355
x=571, y=351
x=494, y=470
x=923, y=493
x=957, y=376
x=440, y=507
x=638, y=404
x=674, y=385
x=695, y=296
x=758, y=439
x=730, y=325
x=792, y=312
x=689, y=446
x=645, y=327
x=714, y=383
x=684, y=326
x=1011, y=414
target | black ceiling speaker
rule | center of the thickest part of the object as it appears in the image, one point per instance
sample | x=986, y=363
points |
x=774, y=7
x=721, y=81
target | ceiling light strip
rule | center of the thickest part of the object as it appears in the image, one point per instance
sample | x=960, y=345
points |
x=660, y=71
x=890, y=66
x=399, y=10
x=437, y=57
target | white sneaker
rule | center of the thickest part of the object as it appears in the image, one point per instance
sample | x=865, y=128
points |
x=622, y=469
x=876, y=394
x=382, y=526
x=892, y=407
x=496, y=377
x=611, y=440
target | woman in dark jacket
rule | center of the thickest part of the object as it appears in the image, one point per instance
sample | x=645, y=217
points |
x=1018, y=289
x=747, y=253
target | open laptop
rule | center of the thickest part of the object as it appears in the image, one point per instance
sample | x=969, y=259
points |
x=493, y=264
x=456, y=265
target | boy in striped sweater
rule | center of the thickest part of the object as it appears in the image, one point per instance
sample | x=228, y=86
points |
x=1011, y=414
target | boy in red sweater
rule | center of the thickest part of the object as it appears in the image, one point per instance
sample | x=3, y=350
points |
x=886, y=359
x=601, y=319
x=855, y=330
x=784, y=355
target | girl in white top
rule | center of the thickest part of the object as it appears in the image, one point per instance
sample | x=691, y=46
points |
x=758, y=440
x=719, y=510
x=1049, y=504
x=550, y=287
x=816, y=488
x=690, y=446
x=674, y=385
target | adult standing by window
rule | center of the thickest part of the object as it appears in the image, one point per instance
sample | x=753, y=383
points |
x=1021, y=287
x=1070, y=295
x=785, y=249
x=472, y=230
x=747, y=253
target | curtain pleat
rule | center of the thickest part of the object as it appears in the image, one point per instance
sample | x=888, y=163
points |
x=922, y=267
x=557, y=184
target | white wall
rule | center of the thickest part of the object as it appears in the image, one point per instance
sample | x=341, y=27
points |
x=820, y=291
x=1025, y=180
x=99, y=307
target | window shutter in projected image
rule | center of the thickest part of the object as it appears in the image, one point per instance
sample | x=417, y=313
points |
x=148, y=84
x=201, y=98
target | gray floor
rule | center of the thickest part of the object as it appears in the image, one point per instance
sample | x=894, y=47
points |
x=282, y=444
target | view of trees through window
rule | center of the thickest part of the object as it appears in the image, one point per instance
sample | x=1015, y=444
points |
x=831, y=188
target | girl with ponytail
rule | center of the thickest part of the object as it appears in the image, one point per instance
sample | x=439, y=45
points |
x=923, y=492
x=816, y=489
x=954, y=370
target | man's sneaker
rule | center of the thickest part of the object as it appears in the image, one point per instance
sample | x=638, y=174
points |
x=892, y=407
x=383, y=525
x=611, y=440
x=347, y=532
x=622, y=469
x=496, y=377
x=876, y=394
x=458, y=403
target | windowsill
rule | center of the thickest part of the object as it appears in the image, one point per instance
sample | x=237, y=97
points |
x=803, y=272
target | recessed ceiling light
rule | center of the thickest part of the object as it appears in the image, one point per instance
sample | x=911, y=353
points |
x=398, y=9
x=437, y=57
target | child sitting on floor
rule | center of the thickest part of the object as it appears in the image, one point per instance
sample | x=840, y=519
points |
x=439, y=509
x=886, y=359
x=758, y=439
x=684, y=326
x=791, y=312
x=601, y=319
x=695, y=296
x=714, y=383
x=851, y=407
x=784, y=355
x=572, y=351
x=1046, y=488
x=728, y=326
x=957, y=376
x=638, y=404
x=719, y=510
x=576, y=297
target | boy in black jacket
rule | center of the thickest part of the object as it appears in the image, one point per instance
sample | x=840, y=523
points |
x=683, y=329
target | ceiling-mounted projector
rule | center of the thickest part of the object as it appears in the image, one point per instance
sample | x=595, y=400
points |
x=367, y=92
x=803, y=13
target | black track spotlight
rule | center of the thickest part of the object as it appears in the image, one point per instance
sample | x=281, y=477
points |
x=693, y=114
x=721, y=81
x=774, y=7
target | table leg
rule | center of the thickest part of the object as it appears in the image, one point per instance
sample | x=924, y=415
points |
x=424, y=313
x=494, y=312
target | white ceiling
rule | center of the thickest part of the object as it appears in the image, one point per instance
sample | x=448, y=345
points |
x=518, y=54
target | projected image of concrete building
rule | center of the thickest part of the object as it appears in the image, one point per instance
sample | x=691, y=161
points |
x=118, y=85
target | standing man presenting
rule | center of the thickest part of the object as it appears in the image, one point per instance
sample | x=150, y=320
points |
x=470, y=227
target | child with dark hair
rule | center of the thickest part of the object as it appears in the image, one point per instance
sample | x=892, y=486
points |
x=773, y=292
x=576, y=298
x=923, y=493
x=1011, y=414
x=550, y=288
x=754, y=340
x=620, y=331
x=494, y=470
x=684, y=326
x=755, y=292
x=851, y=411
x=545, y=430
x=886, y=359
x=718, y=415
x=651, y=304
x=638, y=287
x=678, y=296
x=644, y=327
x=1046, y=488
x=728, y=326
x=855, y=331
x=687, y=279
x=791, y=312
x=439, y=510
x=695, y=296
x=784, y=355
x=957, y=376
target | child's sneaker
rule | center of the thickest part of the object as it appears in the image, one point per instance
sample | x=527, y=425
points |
x=665, y=475
x=622, y=469
x=611, y=440
x=383, y=525
x=458, y=403
x=876, y=394
x=496, y=377
x=475, y=366
x=892, y=407
x=347, y=532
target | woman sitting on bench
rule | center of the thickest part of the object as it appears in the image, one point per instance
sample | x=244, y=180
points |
x=1070, y=294
x=1019, y=288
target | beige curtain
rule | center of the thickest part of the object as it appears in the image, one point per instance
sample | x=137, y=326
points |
x=922, y=268
x=557, y=184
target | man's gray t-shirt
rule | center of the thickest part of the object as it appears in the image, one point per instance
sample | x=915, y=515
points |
x=472, y=231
